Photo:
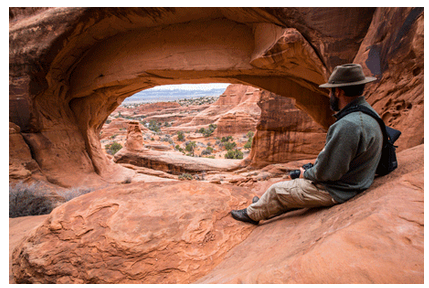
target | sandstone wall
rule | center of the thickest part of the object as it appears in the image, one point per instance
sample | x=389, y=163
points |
x=243, y=113
x=393, y=51
x=284, y=133
x=71, y=67
x=21, y=164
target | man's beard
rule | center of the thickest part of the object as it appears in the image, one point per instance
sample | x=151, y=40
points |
x=333, y=101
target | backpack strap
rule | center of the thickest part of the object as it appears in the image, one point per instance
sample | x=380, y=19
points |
x=388, y=161
x=389, y=134
x=367, y=111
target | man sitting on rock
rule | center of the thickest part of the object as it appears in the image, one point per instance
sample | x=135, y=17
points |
x=345, y=167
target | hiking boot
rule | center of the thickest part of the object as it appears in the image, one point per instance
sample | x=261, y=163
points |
x=241, y=215
x=255, y=199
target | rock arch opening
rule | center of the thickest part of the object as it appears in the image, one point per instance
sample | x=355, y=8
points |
x=162, y=113
x=174, y=54
x=97, y=57
x=59, y=119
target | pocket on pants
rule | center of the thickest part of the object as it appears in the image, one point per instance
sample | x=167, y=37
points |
x=307, y=194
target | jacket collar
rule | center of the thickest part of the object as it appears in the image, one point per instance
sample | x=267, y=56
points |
x=358, y=101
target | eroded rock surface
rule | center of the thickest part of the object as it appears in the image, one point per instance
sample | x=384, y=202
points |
x=71, y=67
x=174, y=162
x=377, y=237
x=21, y=163
x=19, y=228
x=284, y=133
x=140, y=233
x=393, y=50
x=235, y=112
x=181, y=232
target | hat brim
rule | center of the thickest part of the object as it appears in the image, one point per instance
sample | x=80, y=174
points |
x=333, y=85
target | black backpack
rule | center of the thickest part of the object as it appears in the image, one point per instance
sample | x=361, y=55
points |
x=388, y=161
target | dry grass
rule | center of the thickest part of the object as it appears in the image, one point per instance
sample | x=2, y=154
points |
x=25, y=200
x=34, y=199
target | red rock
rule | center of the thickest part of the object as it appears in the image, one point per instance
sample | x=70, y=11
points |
x=19, y=228
x=18, y=149
x=284, y=133
x=115, y=127
x=142, y=233
x=393, y=50
x=21, y=164
x=243, y=113
x=134, y=136
x=70, y=68
x=174, y=162
x=147, y=108
x=360, y=241
x=185, y=231
x=86, y=72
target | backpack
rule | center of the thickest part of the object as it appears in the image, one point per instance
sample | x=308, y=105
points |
x=388, y=161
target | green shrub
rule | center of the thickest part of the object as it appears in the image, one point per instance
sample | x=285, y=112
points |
x=191, y=146
x=234, y=154
x=180, y=136
x=207, y=132
x=113, y=148
x=229, y=145
x=177, y=147
x=185, y=176
x=154, y=126
x=207, y=151
x=226, y=139
x=248, y=145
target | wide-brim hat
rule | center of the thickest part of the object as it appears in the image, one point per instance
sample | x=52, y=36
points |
x=347, y=75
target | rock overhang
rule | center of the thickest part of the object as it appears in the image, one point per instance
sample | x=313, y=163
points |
x=71, y=67
x=150, y=45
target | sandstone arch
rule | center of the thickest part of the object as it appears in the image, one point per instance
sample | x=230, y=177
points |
x=48, y=45
x=71, y=67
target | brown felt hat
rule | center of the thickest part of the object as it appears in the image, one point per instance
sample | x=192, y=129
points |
x=347, y=75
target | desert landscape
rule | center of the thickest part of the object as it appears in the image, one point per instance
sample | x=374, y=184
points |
x=103, y=190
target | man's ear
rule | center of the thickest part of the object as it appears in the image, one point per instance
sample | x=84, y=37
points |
x=339, y=92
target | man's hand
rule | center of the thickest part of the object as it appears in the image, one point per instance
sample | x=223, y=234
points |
x=301, y=175
x=294, y=173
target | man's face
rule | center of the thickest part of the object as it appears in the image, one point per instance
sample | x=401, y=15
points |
x=333, y=101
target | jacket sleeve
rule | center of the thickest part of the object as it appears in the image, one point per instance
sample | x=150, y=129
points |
x=334, y=160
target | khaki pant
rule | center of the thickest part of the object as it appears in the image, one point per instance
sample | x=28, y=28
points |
x=284, y=196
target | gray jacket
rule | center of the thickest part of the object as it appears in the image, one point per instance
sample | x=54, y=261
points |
x=347, y=164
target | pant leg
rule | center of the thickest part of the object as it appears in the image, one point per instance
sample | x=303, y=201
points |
x=284, y=196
